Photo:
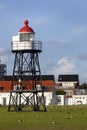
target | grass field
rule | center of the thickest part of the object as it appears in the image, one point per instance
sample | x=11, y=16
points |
x=56, y=118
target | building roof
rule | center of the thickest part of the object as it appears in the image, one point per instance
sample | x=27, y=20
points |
x=43, y=77
x=68, y=78
x=48, y=77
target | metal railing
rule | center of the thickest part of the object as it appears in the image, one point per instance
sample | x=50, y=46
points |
x=26, y=45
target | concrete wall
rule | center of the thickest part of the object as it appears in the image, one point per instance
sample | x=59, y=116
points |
x=79, y=99
x=48, y=98
x=70, y=100
x=58, y=99
x=4, y=97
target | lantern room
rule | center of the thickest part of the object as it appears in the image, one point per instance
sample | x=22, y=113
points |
x=26, y=33
x=25, y=40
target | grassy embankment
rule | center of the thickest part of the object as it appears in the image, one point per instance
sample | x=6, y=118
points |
x=56, y=118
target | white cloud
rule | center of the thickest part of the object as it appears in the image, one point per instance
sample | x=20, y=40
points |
x=62, y=66
x=7, y=58
x=4, y=53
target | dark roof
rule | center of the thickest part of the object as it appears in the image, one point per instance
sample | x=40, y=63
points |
x=68, y=78
x=44, y=77
x=48, y=77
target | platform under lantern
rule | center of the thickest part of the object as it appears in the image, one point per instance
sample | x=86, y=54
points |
x=26, y=84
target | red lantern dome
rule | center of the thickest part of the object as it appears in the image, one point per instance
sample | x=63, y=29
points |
x=26, y=28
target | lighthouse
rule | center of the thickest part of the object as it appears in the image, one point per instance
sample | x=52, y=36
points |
x=26, y=83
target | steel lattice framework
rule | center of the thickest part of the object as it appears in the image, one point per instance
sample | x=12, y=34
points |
x=26, y=87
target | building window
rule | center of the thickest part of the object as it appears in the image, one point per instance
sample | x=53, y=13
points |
x=1, y=88
x=58, y=100
x=26, y=37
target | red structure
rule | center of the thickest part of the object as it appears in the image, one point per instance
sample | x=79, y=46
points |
x=26, y=28
x=47, y=83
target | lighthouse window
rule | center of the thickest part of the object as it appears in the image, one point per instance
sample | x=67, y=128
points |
x=24, y=37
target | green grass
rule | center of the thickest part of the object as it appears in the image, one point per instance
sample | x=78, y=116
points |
x=56, y=118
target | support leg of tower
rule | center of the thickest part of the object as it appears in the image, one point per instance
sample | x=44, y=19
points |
x=10, y=101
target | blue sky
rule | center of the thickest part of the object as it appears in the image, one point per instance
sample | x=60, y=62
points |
x=60, y=24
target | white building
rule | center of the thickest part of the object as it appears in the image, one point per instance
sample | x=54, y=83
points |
x=4, y=98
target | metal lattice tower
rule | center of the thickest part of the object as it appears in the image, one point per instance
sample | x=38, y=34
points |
x=27, y=87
